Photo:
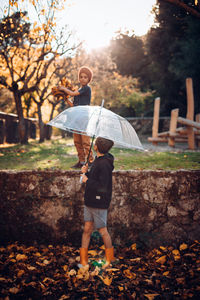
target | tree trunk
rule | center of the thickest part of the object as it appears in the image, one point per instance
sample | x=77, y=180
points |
x=49, y=128
x=41, y=124
x=23, y=136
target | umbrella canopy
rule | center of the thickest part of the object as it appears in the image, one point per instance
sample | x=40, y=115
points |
x=98, y=121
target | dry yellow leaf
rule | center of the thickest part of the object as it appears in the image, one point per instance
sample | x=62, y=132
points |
x=83, y=273
x=161, y=260
x=151, y=296
x=134, y=246
x=65, y=268
x=166, y=273
x=72, y=272
x=106, y=280
x=183, y=246
x=46, y=262
x=102, y=247
x=129, y=274
x=30, y=268
x=92, y=252
x=20, y=273
x=14, y=290
x=176, y=252
x=120, y=288
x=21, y=257
x=163, y=248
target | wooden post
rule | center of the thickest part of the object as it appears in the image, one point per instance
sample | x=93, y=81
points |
x=190, y=112
x=197, y=119
x=173, y=126
x=156, y=120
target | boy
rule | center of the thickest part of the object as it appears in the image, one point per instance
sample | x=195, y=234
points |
x=97, y=197
x=81, y=97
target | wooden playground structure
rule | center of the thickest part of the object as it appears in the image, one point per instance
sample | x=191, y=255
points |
x=190, y=130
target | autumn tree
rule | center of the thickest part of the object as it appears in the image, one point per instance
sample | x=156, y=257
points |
x=191, y=7
x=28, y=50
x=173, y=47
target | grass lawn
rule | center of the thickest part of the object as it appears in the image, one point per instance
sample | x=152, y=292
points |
x=61, y=154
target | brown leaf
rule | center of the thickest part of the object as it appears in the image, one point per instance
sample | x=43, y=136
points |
x=14, y=290
x=21, y=257
x=161, y=260
x=151, y=296
x=106, y=280
x=129, y=274
x=183, y=247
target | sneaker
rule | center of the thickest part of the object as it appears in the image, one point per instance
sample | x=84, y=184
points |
x=78, y=165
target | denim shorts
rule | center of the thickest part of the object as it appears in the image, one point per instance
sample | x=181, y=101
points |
x=96, y=215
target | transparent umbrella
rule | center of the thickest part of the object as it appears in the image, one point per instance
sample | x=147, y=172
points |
x=97, y=121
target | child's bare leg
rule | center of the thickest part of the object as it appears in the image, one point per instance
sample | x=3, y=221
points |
x=88, y=228
x=106, y=237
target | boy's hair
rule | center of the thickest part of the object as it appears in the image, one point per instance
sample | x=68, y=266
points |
x=87, y=71
x=103, y=145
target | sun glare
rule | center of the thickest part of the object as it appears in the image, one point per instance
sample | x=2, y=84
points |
x=97, y=21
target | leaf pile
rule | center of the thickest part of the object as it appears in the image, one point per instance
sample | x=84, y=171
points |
x=51, y=272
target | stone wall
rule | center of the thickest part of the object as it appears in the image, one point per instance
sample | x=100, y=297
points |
x=150, y=208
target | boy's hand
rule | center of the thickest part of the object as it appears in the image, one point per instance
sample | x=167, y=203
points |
x=84, y=178
x=84, y=168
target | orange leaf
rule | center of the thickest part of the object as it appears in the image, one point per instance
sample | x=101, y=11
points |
x=134, y=246
x=129, y=274
x=106, y=280
x=151, y=296
x=92, y=252
x=21, y=257
x=161, y=260
x=183, y=246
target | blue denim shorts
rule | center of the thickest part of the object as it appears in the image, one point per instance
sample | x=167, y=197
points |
x=96, y=215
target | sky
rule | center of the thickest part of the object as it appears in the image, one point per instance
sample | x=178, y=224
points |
x=97, y=21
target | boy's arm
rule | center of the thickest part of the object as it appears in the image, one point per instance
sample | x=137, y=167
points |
x=67, y=91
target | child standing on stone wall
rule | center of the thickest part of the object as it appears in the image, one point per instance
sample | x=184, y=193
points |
x=81, y=97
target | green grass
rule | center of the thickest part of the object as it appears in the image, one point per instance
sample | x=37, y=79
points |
x=61, y=154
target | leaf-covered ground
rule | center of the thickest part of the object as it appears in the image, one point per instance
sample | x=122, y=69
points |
x=51, y=272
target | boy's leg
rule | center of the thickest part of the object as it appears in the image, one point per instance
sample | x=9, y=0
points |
x=109, y=250
x=106, y=237
x=88, y=228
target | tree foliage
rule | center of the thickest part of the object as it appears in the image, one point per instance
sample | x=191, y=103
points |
x=28, y=50
x=162, y=60
x=174, y=50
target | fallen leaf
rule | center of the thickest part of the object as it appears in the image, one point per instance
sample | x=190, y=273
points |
x=134, y=246
x=161, y=260
x=183, y=247
x=129, y=274
x=166, y=273
x=21, y=257
x=72, y=272
x=106, y=280
x=93, y=252
x=151, y=296
x=163, y=248
x=20, y=273
x=14, y=290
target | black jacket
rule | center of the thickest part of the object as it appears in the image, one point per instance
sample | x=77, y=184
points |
x=98, y=191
